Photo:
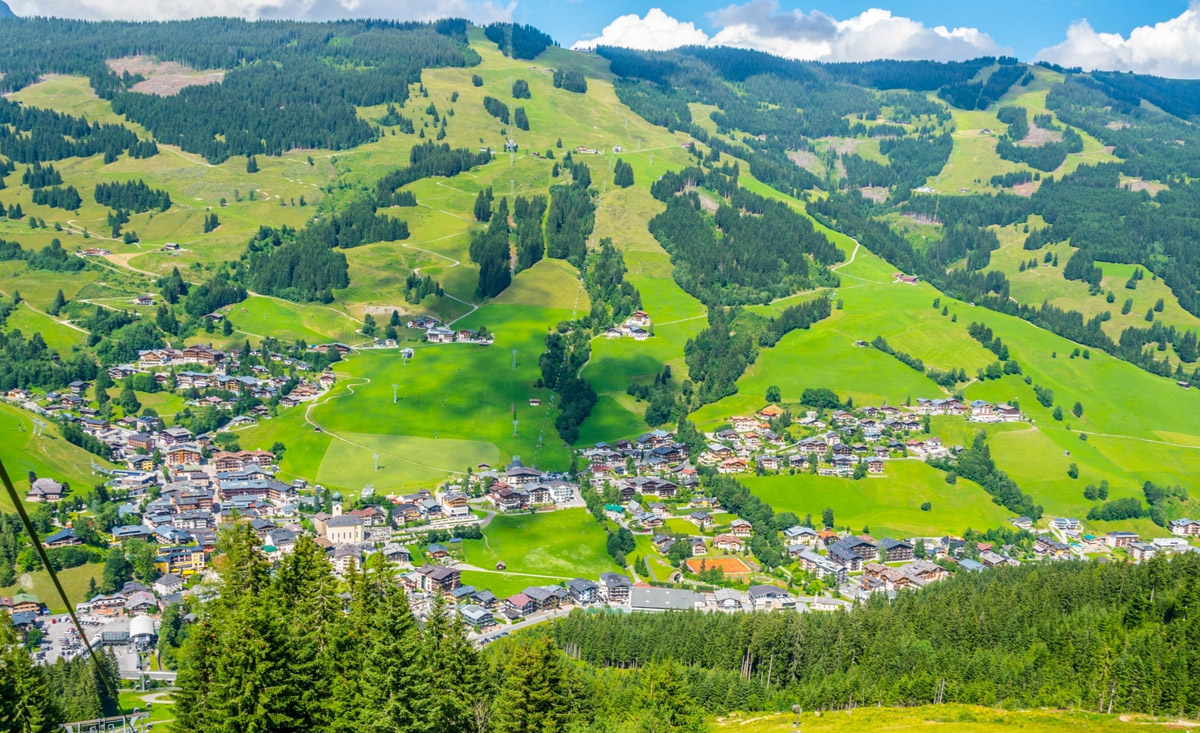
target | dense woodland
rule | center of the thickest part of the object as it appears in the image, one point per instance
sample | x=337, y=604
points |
x=490, y=250
x=1069, y=635
x=288, y=84
x=751, y=250
x=571, y=217
x=517, y=40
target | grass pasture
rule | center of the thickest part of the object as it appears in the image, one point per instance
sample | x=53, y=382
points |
x=74, y=582
x=259, y=316
x=948, y=717
x=889, y=505
x=504, y=584
x=566, y=544
x=47, y=456
x=58, y=336
x=434, y=403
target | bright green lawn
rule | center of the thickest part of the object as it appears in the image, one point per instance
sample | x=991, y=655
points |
x=565, y=544
x=74, y=582
x=57, y=336
x=890, y=504
x=161, y=710
x=48, y=456
x=436, y=403
x=259, y=316
x=503, y=585
x=949, y=717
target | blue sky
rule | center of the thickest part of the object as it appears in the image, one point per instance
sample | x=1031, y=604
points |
x=1026, y=26
x=1146, y=36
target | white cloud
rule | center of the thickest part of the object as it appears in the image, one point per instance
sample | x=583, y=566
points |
x=1170, y=48
x=656, y=32
x=482, y=11
x=761, y=25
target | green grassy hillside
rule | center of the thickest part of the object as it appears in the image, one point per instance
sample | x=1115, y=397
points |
x=456, y=405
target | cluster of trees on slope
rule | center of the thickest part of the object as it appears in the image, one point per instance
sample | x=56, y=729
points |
x=572, y=81
x=280, y=264
x=568, y=348
x=719, y=354
x=289, y=84
x=490, y=250
x=518, y=40
x=52, y=257
x=756, y=249
x=981, y=95
x=28, y=363
x=975, y=463
x=911, y=161
x=571, y=216
x=1045, y=157
x=1068, y=635
x=613, y=297
x=59, y=197
x=304, y=265
x=40, y=176
x=529, y=214
x=496, y=109
x=33, y=135
x=133, y=196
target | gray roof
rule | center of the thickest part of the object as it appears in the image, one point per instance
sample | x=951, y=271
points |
x=614, y=579
x=581, y=585
x=766, y=591
x=344, y=520
x=474, y=613
x=663, y=599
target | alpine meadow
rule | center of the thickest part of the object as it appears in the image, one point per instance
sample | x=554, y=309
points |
x=372, y=375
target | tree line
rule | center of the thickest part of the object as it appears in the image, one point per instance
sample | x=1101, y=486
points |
x=1120, y=635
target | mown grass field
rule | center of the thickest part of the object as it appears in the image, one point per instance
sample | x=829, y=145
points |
x=74, y=582
x=61, y=338
x=564, y=544
x=503, y=585
x=949, y=717
x=313, y=323
x=889, y=505
x=47, y=456
x=436, y=403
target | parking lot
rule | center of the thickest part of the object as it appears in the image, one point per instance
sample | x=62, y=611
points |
x=61, y=639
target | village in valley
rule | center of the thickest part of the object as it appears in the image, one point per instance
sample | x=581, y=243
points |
x=678, y=537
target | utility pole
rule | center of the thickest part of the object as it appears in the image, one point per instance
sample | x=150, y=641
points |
x=375, y=457
x=394, y=397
